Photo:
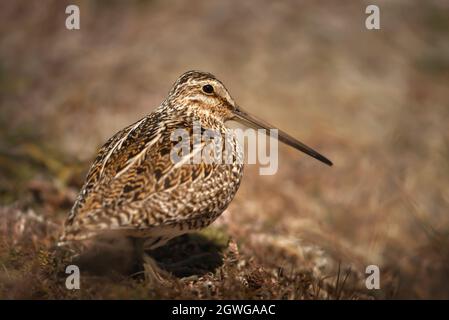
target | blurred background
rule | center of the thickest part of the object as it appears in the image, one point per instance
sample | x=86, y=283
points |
x=375, y=102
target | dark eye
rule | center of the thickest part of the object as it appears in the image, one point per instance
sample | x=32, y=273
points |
x=208, y=88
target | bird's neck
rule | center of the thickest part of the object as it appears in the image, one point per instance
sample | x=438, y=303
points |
x=207, y=119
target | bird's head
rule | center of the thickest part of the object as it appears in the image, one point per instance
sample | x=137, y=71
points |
x=202, y=94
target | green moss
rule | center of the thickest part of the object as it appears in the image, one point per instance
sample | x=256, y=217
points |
x=217, y=235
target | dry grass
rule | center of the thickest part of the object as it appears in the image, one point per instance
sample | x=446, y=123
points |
x=376, y=103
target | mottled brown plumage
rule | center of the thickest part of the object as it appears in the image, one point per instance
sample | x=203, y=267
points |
x=134, y=188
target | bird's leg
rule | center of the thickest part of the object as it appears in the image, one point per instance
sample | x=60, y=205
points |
x=153, y=274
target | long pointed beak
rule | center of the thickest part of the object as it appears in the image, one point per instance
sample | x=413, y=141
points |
x=253, y=122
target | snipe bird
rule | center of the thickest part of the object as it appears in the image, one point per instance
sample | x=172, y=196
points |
x=133, y=187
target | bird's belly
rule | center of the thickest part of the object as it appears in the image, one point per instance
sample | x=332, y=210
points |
x=194, y=205
x=157, y=236
x=189, y=208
